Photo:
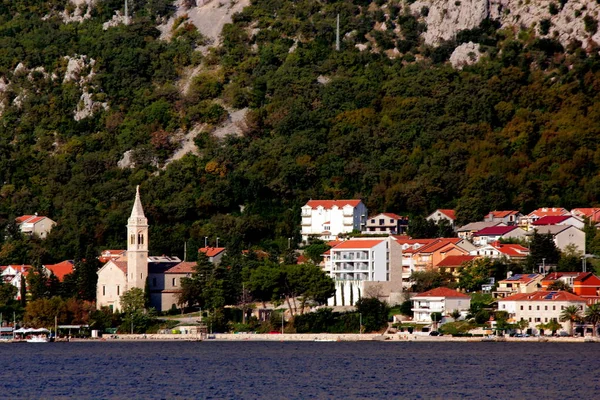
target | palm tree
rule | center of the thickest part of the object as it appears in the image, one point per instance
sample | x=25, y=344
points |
x=571, y=314
x=592, y=316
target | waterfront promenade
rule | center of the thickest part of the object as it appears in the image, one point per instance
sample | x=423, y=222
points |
x=330, y=337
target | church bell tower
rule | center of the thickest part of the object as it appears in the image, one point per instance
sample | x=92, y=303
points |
x=137, y=245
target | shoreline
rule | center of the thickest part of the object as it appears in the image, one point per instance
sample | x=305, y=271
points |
x=329, y=337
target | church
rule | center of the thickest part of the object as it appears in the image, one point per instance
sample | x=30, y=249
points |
x=135, y=269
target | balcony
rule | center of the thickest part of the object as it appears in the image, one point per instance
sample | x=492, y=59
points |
x=307, y=213
x=348, y=212
x=307, y=221
x=348, y=221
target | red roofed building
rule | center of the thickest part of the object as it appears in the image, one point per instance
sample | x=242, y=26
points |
x=454, y=263
x=539, y=307
x=527, y=221
x=361, y=265
x=108, y=255
x=59, y=270
x=386, y=223
x=593, y=214
x=13, y=275
x=559, y=220
x=214, y=254
x=35, y=225
x=518, y=283
x=496, y=250
x=495, y=233
x=587, y=285
x=443, y=214
x=327, y=219
x=440, y=300
x=507, y=217
x=565, y=277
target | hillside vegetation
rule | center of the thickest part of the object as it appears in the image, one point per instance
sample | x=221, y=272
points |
x=389, y=121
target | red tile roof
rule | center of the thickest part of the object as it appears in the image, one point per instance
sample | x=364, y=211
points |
x=551, y=220
x=447, y=212
x=495, y=231
x=328, y=204
x=455, y=261
x=122, y=265
x=592, y=213
x=30, y=219
x=502, y=214
x=442, y=292
x=358, y=244
x=510, y=249
x=61, y=269
x=211, y=251
x=544, y=295
x=437, y=245
x=522, y=278
x=553, y=276
x=184, y=267
x=545, y=211
x=389, y=215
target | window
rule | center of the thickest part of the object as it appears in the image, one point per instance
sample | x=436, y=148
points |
x=391, y=220
x=553, y=308
x=546, y=308
x=103, y=290
x=529, y=308
x=538, y=320
x=503, y=306
x=141, y=276
x=538, y=308
x=381, y=221
x=521, y=308
x=118, y=290
x=545, y=319
x=529, y=319
x=174, y=282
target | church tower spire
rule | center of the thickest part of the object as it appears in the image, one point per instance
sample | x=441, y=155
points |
x=137, y=245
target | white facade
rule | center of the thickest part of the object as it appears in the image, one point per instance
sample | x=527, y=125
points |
x=35, y=225
x=484, y=239
x=365, y=268
x=326, y=219
x=540, y=307
x=564, y=235
x=441, y=300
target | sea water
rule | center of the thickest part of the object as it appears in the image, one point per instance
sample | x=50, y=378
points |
x=299, y=370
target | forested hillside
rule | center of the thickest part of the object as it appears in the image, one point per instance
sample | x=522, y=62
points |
x=386, y=118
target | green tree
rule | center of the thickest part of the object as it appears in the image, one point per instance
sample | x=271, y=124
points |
x=571, y=314
x=592, y=316
x=542, y=249
x=430, y=279
x=374, y=313
x=315, y=251
x=475, y=273
x=560, y=285
x=136, y=318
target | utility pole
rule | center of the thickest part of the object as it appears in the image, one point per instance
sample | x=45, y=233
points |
x=337, y=34
x=126, y=13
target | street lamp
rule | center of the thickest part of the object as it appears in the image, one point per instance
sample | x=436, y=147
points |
x=205, y=241
x=584, y=261
x=217, y=243
x=282, y=322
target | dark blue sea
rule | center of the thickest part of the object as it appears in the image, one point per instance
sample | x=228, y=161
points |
x=297, y=370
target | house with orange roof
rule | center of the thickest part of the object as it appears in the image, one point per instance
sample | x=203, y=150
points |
x=443, y=214
x=592, y=214
x=587, y=285
x=453, y=264
x=510, y=217
x=518, y=283
x=526, y=221
x=365, y=267
x=214, y=254
x=35, y=225
x=565, y=277
x=497, y=250
x=389, y=223
x=59, y=270
x=539, y=307
x=327, y=219
x=439, y=300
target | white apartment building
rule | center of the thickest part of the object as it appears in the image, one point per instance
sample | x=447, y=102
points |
x=441, y=300
x=540, y=307
x=326, y=219
x=365, y=267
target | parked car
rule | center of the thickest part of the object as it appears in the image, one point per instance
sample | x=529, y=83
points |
x=434, y=333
